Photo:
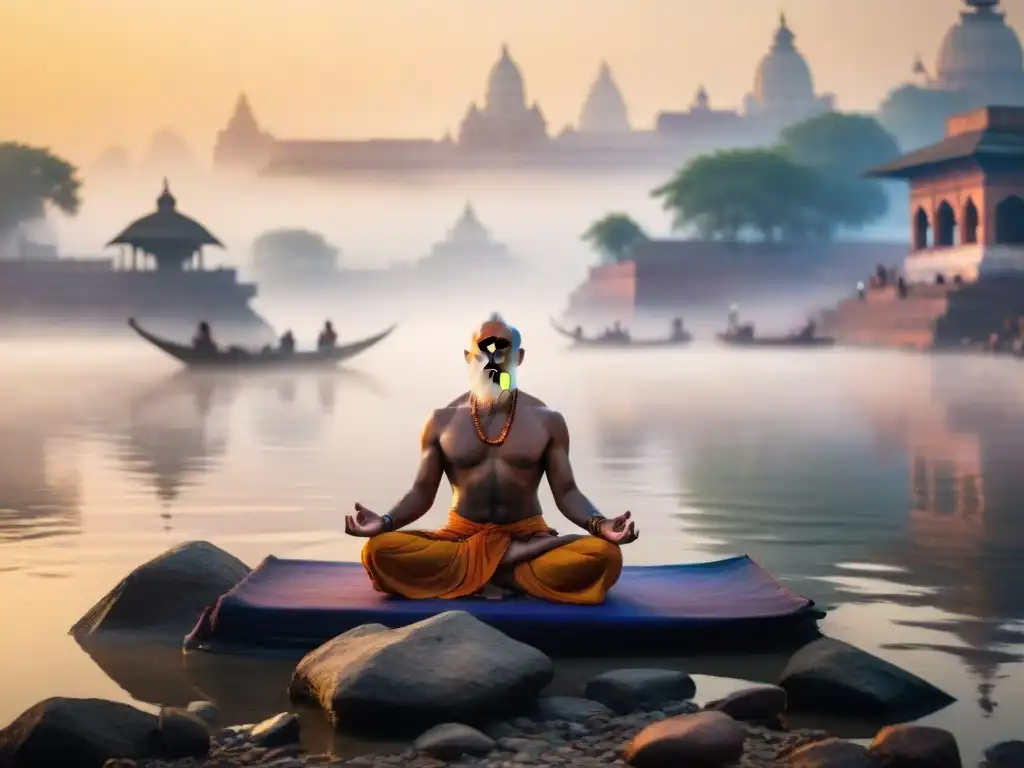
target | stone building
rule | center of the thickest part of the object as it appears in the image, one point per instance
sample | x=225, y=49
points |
x=604, y=111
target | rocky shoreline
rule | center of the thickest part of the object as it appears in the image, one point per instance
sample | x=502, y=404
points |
x=463, y=694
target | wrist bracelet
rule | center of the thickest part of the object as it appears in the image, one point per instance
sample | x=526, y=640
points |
x=389, y=523
x=594, y=524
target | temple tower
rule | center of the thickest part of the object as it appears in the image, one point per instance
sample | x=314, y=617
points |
x=604, y=111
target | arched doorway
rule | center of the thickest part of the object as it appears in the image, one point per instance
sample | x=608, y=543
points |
x=970, y=228
x=945, y=225
x=921, y=227
x=1010, y=221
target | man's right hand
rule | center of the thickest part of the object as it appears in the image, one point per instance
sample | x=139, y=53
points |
x=363, y=523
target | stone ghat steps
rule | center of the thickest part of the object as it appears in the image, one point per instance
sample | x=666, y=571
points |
x=886, y=321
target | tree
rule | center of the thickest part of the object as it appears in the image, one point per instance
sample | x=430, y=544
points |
x=841, y=148
x=294, y=254
x=614, y=236
x=728, y=193
x=31, y=179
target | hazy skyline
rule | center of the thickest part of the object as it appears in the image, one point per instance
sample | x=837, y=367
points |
x=81, y=75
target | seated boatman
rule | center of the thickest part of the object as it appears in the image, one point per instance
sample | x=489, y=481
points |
x=494, y=443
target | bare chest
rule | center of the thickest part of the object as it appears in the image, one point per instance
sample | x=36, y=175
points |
x=523, y=447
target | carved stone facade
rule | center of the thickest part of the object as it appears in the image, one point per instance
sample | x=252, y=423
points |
x=967, y=198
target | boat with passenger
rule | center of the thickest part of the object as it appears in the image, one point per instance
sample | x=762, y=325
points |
x=204, y=352
x=619, y=337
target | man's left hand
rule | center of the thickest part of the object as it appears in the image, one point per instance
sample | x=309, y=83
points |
x=619, y=530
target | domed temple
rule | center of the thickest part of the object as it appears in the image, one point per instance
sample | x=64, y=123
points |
x=783, y=84
x=980, y=62
x=505, y=120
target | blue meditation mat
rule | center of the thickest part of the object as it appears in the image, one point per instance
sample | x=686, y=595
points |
x=301, y=604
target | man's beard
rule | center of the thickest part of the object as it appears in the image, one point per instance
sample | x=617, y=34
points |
x=487, y=389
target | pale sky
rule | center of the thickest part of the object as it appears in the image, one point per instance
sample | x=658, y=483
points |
x=80, y=75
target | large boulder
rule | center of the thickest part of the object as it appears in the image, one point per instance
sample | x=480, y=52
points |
x=448, y=668
x=914, y=746
x=703, y=740
x=164, y=597
x=829, y=676
x=625, y=690
x=77, y=733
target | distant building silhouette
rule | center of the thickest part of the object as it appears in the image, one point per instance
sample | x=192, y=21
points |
x=980, y=62
x=508, y=132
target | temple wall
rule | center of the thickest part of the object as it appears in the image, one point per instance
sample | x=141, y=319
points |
x=681, y=277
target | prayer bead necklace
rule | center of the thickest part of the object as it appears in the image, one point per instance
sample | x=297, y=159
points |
x=474, y=413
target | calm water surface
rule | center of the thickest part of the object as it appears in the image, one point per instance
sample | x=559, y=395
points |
x=888, y=487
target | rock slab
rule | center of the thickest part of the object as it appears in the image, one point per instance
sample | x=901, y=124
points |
x=77, y=733
x=1005, y=754
x=761, y=702
x=182, y=734
x=450, y=741
x=570, y=709
x=914, y=746
x=165, y=596
x=702, y=740
x=626, y=690
x=829, y=676
x=448, y=668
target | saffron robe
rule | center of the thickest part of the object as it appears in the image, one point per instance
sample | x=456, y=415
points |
x=461, y=558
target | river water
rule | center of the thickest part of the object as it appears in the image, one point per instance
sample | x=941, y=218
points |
x=888, y=487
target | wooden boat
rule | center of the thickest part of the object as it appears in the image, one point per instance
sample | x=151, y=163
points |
x=582, y=341
x=812, y=342
x=235, y=357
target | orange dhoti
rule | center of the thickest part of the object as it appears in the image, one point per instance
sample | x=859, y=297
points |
x=461, y=558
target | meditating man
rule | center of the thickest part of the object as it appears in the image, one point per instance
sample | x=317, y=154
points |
x=494, y=443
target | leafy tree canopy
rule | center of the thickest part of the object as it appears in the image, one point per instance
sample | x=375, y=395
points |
x=729, y=193
x=841, y=148
x=32, y=178
x=294, y=252
x=614, y=236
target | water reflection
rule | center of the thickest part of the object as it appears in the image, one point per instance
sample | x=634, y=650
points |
x=175, y=433
x=910, y=498
x=39, y=488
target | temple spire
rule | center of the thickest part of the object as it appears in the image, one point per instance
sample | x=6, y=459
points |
x=166, y=201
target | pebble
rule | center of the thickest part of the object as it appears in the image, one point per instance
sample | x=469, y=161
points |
x=600, y=742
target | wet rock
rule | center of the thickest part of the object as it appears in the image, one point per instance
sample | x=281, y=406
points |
x=570, y=708
x=758, y=703
x=1005, y=754
x=164, y=597
x=829, y=676
x=624, y=690
x=829, y=753
x=499, y=729
x=914, y=746
x=701, y=740
x=276, y=731
x=182, y=734
x=448, y=668
x=76, y=733
x=680, y=708
x=449, y=741
x=204, y=710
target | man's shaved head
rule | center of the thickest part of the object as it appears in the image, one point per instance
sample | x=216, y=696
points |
x=494, y=355
x=495, y=327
